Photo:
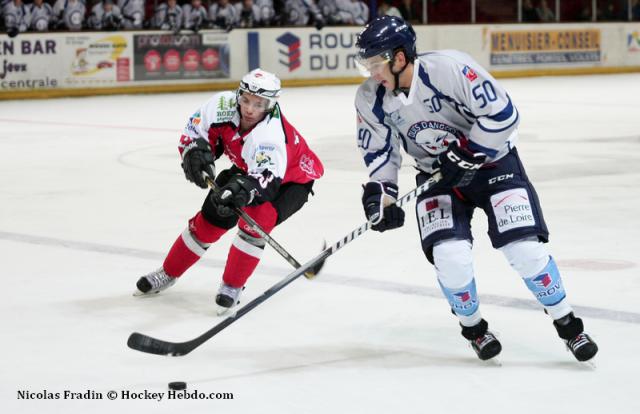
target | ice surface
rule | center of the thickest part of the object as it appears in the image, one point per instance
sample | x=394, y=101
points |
x=92, y=196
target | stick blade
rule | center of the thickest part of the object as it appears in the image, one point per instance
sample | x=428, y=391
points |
x=314, y=270
x=149, y=345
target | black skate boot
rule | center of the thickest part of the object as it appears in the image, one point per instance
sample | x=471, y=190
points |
x=483, y=342
x=154, y=282
x=571, y=330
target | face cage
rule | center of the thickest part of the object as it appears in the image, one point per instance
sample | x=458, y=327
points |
x=270, y=95
x=367, y=68
x=271, y=102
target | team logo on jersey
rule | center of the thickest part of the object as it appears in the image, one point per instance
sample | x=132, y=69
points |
x=307, y=164
x=263, y=160
x=195, y=118
x=462, y=296
x=396, y=118
x=192, y=125
x=434, y=137
x=469, y=73
x=543, y=281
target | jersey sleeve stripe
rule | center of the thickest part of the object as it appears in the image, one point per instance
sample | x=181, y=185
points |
x=379, y=113
x=498, y=126
x=475, y=147
x=504, y=114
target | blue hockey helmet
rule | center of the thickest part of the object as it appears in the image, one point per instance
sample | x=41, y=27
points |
x=385, y=36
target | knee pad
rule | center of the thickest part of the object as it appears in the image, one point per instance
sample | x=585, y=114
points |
x=191, y=241
x=454, y=262
x=547, y=285
x=246, y=243
x=454, y=268
x=202, y=231
x=527, y=257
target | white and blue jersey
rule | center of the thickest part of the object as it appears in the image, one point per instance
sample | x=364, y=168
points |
x=451, y=98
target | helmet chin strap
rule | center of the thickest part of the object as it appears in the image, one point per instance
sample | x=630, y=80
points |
x=397, y=90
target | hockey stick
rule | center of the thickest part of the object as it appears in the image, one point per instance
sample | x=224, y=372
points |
x=144, y=343
x=309, y=274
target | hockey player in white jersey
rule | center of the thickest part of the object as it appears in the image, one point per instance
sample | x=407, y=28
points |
x=300, y=12
x=195, y=16
x=41, y=16
x=168, y=16
x=105, y=16
x=247, y=14
x=132, y=12
x=450, y=115
x=353, y=11
x=17, y=16
x=70, y=14
x=222, y=14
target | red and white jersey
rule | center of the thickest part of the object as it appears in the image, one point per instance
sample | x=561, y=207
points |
x=273, y=151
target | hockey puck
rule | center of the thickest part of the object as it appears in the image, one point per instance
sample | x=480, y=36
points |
x=178, y=385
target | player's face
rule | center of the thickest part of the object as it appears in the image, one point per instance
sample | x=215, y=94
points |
x=377, y=67
x=252, y=108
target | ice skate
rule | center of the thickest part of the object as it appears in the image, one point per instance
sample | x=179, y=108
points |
x=571, y=330
x=227, y=298
x=582, y=347
x=483, y=342
x=487, y=346
x=154, y=282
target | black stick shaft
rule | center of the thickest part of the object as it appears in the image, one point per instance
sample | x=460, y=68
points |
x=270, y=240
x=151, y=345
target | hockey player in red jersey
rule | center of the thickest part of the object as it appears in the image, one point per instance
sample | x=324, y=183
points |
x=271, y=177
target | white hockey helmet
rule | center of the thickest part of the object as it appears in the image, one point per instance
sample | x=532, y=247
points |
x=261, y=83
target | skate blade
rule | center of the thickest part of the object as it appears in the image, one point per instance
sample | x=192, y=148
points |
x=140, y=294
x=222, y=311
x=590, y=364
x=495, y=361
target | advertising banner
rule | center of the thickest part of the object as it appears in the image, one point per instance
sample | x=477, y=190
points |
x=633, y=41
x=177, y=57
x=50, y=61
x=305, y=53
x=545, y=47
x=96, y=60
x=631, y=45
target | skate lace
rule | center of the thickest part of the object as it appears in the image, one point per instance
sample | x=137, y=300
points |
x=484, y=340
x=578, y=341
x=158, y=279
x=230, y=291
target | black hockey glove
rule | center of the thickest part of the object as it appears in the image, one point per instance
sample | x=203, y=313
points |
x=373, y=200
x=196, y=159
x=458, y=166
x=238, y=192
